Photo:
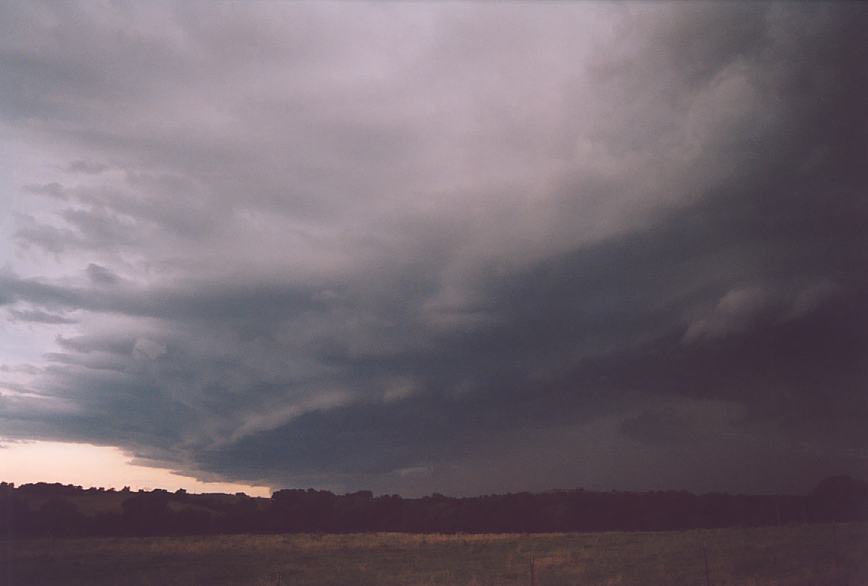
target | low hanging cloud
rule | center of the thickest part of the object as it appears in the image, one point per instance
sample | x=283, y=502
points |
x=733, y=314
x=744, y=308
x=420, y=247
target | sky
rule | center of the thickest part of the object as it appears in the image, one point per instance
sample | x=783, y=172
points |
x=463, y=248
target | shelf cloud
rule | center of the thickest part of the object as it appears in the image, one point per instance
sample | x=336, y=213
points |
x=440, y=247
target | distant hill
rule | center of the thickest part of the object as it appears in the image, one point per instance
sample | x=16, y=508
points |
x=41, y=509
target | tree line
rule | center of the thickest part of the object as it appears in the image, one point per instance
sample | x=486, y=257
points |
x=41, y=510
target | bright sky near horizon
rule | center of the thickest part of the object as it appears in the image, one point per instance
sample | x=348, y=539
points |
x=88, y=466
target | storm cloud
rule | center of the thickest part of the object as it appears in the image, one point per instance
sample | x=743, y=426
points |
x=440, y=247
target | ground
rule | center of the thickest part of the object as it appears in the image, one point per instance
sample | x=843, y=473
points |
x=815, y=555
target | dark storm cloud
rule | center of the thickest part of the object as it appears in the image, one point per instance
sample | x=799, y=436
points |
x=435, y=248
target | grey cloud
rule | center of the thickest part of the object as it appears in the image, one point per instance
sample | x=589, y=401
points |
x=232, y=302
x=733, y=313
x=53, y=189
x=39, y=316
x=98, y=228
x=663, y=425
x=86, y=167
x=49, y=238
x=26, y=368
x=82, y=230
x=101, y=275
x=462, y=241
x=117, y=344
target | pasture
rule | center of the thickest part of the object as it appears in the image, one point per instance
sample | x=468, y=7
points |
x=807, y=555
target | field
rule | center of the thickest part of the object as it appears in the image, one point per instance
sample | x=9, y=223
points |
x=816, y=555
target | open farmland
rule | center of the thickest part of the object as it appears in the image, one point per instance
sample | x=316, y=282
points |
x=816, y=555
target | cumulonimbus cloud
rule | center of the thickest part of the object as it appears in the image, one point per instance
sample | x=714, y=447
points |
x=285, y=244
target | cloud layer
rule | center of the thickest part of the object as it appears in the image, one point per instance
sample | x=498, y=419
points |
x=416, y=247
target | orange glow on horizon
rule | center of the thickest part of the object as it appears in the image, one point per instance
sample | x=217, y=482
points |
x=94, y=466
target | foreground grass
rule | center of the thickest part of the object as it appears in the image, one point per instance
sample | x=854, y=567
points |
x=780, y=556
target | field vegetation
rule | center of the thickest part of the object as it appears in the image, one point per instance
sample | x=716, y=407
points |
x=796, y=555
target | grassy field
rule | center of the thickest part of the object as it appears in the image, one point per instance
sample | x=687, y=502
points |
x=799, y=555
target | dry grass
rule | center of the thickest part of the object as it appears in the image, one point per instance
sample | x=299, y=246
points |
x=785, y=556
